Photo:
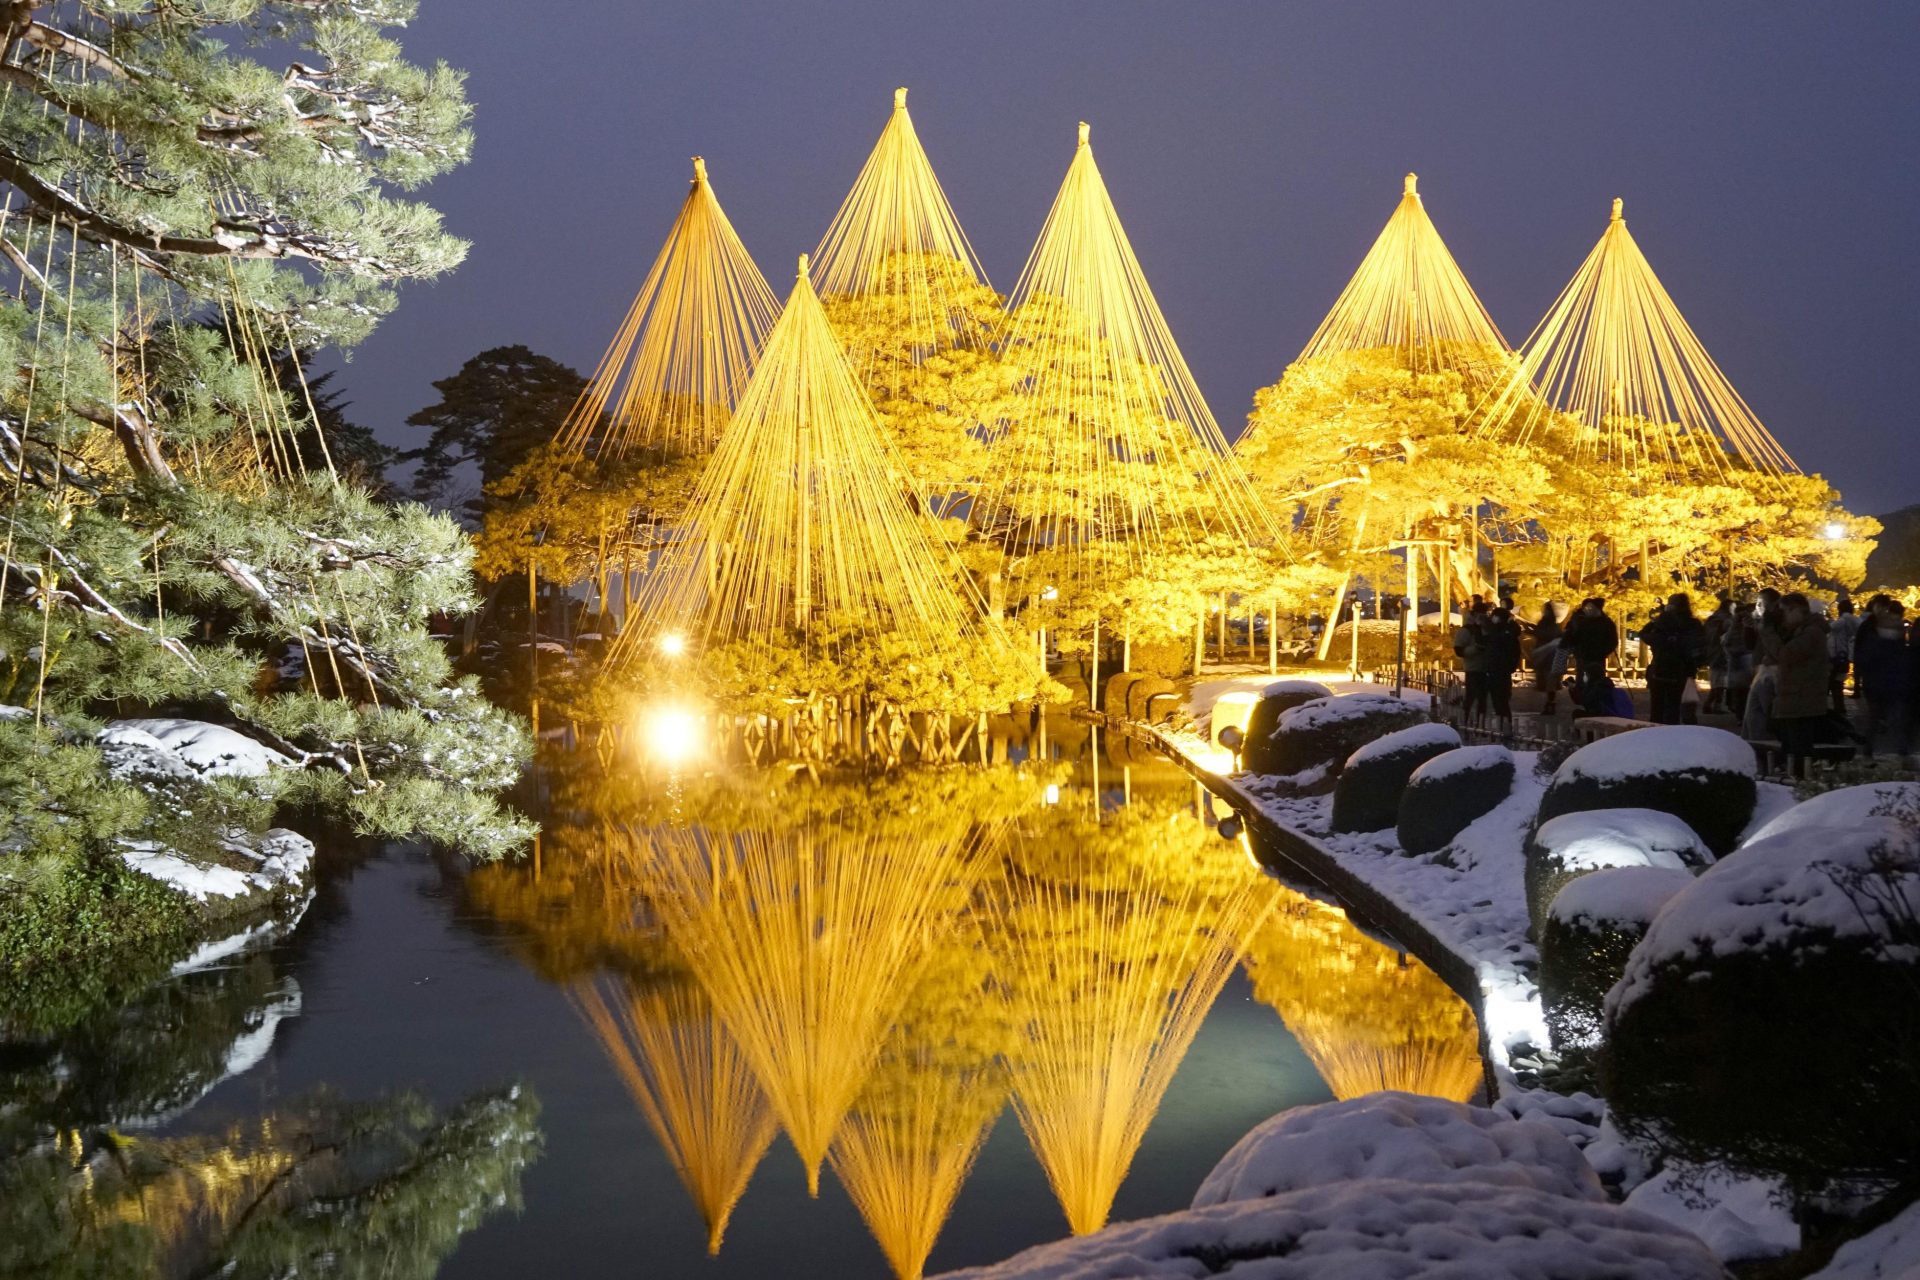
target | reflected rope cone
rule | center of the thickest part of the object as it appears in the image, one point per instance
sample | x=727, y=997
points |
x=798, y=523
x=808, y=943
x=1111, y=973
x=1112, y=441
x=693, y=1086
x=1615, y=354
x=1367, y=1020
x=937, y=1086
x=1409, y=296
x=669, y=380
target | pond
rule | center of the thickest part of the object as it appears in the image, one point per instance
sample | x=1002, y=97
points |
x=771, y=1023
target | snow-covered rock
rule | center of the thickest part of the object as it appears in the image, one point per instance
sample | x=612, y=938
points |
x=1308, y=732
x=1702, y=775
x=1401, y=1136
x=1573, y=845
x=1367, y=795
x=1889, y=1252
x=1589, y=933
x=190, y=748
x=1378, y=1229
x=1738, y=1218
x=1447, y=793
x=1768, y=1018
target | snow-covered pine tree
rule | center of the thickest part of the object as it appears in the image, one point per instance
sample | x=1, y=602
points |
x=189, y=193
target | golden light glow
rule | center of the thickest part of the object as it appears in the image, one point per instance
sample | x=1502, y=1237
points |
x=1615, y=353
x=1411, y=297
x=673, y=644
x=682, y=355
x=1111, y=442
x=673, y=735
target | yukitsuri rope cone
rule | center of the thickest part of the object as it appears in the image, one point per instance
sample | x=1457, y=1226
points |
x=669, y=380
x=798, y=534
x=1615, y=355
x=1112, y=457
x=693, y=1085
x=1409, y=296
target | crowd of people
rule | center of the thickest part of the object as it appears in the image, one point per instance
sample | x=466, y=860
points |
x=1777, y=664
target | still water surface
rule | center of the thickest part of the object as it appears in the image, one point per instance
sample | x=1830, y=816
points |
x=971, y=1007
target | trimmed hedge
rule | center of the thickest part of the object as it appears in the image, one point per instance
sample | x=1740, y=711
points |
x=1585, y=940
x=1276, y=700
x=1367, y=796
x=1701, y=775
x=1322, y=733
x=1563, y=849
x=1447, y=793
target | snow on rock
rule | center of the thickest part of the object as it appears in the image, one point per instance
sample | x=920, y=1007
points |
x=1661, y=749
x=1895, y=804
x=1889, y=1252
x=1738, y=1218
x=281, y=862
x=198, y=749
x=1401, y=1136
x=1615, y=896
x=1779, y=893
x=1377, y=1229
x=196, y=881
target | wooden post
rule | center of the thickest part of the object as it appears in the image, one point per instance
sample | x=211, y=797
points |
x=533, y=645
x=1220, y=629
x=1093, y=669
x=1253, y=652
x=1199, y=641
x=1126, y=648
x=1273, y=636
x=1413, y=587
x=1333, y=616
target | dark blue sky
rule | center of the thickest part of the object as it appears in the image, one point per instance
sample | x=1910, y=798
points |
x=1767, y=155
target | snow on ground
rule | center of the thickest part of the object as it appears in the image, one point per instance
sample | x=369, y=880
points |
x=1739, y=1218
x=1377, y=1229
x=1891, y=1252
x=1400, y=1136
x=204, y=750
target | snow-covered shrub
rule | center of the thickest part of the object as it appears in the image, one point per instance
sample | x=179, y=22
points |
x=1367, y=796
x=1585, y=938
x=1276, y=700
x=1377, y=1228
x=1770, y=1020
x=1702, y=775
x=1322, y=733
x=1448, y=792
x=1574, y=844
x=1894, y=803
x=1402, y=1136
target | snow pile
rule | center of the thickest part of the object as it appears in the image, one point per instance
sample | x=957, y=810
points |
x=1661, y=749
x=282, y=861
x=1418, y=737
x=1889, y=1252
x=1618, y=896
x=1463, y=760
x=1894, y=804
x=1399, y=1136
x=1324, y=713
x=1738, y=1218
x=198, y=749
x=1377, y=1229
x=1596, y=838
x=1777, y=894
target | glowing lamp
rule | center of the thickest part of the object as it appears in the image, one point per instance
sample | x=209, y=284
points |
x=1053, y=793
x=1049, y=593
x=673, y=644
x=1836, y=531
x=672, y=734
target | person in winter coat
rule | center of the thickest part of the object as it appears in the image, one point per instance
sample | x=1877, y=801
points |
x=1677, y=640
x=1757, y=721
x=1840, y=636
x=1474, y=655
x=1740, y=643
x=1883, y=675
x=1591, y=639
x=1715, y=627
x=1501, y=638
x=1548, y=658
x=1796, y=645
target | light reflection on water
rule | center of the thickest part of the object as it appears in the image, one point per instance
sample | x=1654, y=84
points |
x=947, y=993
x=879, y=966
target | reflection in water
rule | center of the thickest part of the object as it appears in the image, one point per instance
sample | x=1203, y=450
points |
x=880, y=964
x=322, y=1187
x=694, y=1086
x=1117, y=937
x=1368, y=1018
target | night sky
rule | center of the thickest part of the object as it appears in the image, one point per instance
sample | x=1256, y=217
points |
x=1767, y=155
